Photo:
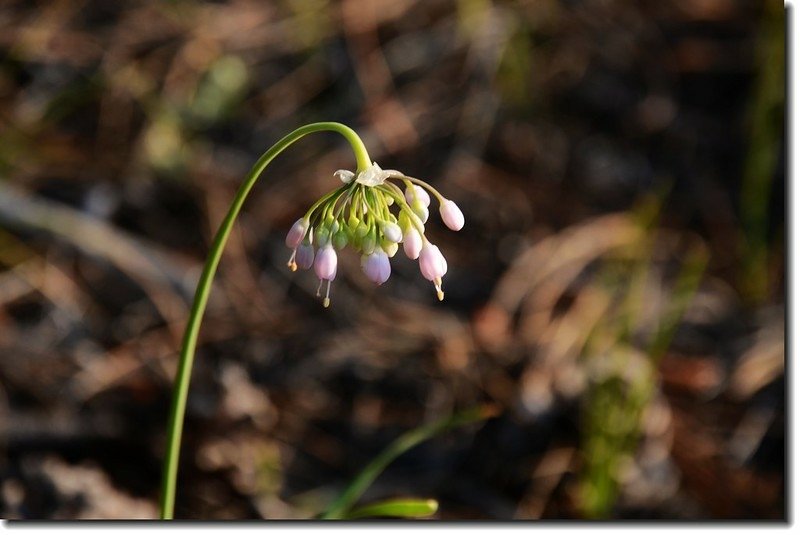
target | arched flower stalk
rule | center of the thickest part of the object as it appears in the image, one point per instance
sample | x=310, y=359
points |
x=369, y=212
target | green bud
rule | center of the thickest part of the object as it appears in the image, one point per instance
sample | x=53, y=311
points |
x=362, y=229
x=390, y=248
x=404, y=222
x=353, y=222
x=368, y=243
x=321, y=235
x=340, y=239
x=420, y=209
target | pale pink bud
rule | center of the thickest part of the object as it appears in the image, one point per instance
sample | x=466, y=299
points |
x=305, y=256
x=392, y=231
x=412, y=243
x=295, y=235
x=433, y=266
x=451, y=215
x=421, y=194
x=431, y=262
x=325, y=263
x=377, y=267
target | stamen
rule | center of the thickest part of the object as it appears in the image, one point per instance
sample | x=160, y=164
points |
x=319, y=288
x=291, y=263
x=439, y=292
x=327, y=301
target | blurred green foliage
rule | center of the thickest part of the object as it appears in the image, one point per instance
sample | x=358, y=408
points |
x=767, y=121
x=622, y=354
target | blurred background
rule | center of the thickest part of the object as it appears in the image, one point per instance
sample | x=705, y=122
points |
x=616, y=296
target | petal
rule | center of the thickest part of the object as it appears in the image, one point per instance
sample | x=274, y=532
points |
x=452, y=215
x=412, y=244
x=420, y=193
x=325, y=263
x=305, y=256
x=377, y=268
x=295, y=235
x=392, y=232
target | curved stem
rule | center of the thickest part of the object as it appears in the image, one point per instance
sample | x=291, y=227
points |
x=425, y=185
x=183, y=375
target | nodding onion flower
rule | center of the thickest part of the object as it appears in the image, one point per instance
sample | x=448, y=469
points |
x=360, y=214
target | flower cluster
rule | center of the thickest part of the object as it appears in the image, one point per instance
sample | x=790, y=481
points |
x=358, y=214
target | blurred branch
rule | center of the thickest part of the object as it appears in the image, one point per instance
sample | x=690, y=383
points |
x=163, y=281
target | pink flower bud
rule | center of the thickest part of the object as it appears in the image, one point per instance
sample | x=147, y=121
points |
x=392, y=231
x=305, y=256
x=421, y=194
x=377, y=267
x=451, y=215
x=412, y=243
x=325, y=263
x=431, y=262
x=433, y=266
x=296, y=233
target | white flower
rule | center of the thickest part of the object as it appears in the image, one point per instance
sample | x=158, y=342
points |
x=358, y=214
x=451, y=215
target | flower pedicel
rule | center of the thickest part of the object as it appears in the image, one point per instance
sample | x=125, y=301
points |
x=359, y=214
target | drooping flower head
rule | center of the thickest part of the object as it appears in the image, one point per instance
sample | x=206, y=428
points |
x=372, y=212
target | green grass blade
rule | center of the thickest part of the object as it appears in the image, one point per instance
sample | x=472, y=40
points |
x=684, y=290
x=402, y=508
x=402, y=444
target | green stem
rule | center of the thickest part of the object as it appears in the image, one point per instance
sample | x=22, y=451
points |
x=181, y=387
x=427, y=186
